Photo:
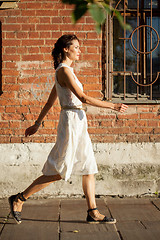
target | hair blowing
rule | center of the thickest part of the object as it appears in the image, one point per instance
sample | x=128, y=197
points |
x=64, y=41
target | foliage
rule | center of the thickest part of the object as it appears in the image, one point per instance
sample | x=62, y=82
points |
x=98, y=9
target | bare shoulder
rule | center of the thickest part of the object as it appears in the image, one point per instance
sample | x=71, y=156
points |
x=63, y=74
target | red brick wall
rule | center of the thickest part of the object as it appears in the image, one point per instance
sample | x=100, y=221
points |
x=28, y=36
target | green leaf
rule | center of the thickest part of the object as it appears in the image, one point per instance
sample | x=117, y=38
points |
x=79, y=11
x=98, y=28
x=107, y=8
x=97, y=13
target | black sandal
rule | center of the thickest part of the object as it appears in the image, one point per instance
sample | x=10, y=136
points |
x=104, y=220
x=16, y=215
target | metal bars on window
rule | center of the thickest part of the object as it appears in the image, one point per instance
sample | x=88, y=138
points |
x=132, y=72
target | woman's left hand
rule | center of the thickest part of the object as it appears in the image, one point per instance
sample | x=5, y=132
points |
x=120, y=107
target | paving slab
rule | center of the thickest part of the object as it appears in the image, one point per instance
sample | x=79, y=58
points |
x=31, y=231
x=139, y=235
x=152, y=225
x=88, y=236
x=134, y=211
x=40, y=220
x=156, y=202
x=73, y=223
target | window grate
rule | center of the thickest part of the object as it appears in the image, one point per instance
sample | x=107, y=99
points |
x=132, y=58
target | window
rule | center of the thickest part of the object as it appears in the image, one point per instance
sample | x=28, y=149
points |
x=133, y=57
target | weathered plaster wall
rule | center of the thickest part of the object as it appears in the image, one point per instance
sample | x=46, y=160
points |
x=124, y=169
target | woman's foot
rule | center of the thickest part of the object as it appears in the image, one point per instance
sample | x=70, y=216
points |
x=16, y=203
x=94, y=216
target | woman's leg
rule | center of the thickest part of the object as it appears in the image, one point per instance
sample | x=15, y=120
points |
x=40, y=183
x=88, y=184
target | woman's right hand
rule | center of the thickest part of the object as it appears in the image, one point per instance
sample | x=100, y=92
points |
x=31, y=130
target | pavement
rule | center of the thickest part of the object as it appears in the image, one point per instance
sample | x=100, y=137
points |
x=64, y=219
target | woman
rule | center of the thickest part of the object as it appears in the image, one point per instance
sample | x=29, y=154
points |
x=72, y=151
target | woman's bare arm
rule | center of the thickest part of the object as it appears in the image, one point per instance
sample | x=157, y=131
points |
x=52, y=97
x=48, y=105
x=67, y=78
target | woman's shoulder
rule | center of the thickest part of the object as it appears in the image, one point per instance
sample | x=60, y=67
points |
x=64, y=70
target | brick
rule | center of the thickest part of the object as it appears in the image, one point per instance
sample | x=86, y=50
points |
x=10, y=72
x=105, y=124
x=11, y=27
x=48, y=5
x=10, y=35
x=130, y=123
x=45, y=34
x=35, y=109
x=11, y=57
x=10, y=64
x=22, y=35
x=8, y=95
x=11, y=20
x=4, y=139
x=47, y=13
x=33, y=20
x=142, y=138
x=10, y=50
x=142, y=123
x=45, y=49
x=11, y=87
x=33, y=5
x=56, y=20
x=94, y=94
x=11, y=116
x=49, y=124
x=46, y=27
x=92, y=86
x=35, y=57
x=22, y=50
x=131, y=138
x=71, y=27
x=147, y=116
x=128, y=116
x=154, y=138
x=15, y=140
x=92, y=50
x=4, y=124
x=157, y=130
x=6, y=131
x=34, y=34
x=29, y=13
x=91, y=57
x=22, y=20
x=10, y=109
x=28, y=27
x=32, y=42
x=153, y=123
x=45, y=20
x=50, y=139
x=33, y=50
x=89, y=27
x=65, y=12
x=22, y=109
x=14, y=124
x=9, y=42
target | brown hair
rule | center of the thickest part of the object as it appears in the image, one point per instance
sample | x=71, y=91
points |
x=63, y=42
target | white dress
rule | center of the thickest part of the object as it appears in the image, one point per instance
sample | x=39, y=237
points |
x=72, y=152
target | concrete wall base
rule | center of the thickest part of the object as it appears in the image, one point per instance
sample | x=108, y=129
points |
x=124, y=169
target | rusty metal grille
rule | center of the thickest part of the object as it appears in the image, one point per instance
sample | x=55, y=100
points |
x=133, y=57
